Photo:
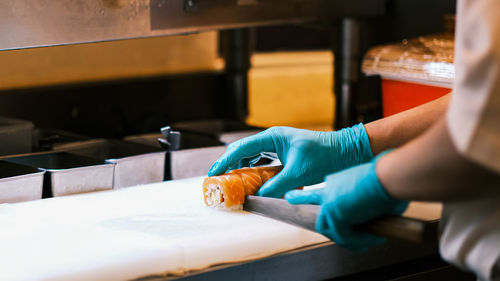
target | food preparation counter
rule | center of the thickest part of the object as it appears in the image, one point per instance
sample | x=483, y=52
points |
x=164, y=231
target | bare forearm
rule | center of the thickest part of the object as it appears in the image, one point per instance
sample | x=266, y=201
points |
x=429, y=168
x=396, y=130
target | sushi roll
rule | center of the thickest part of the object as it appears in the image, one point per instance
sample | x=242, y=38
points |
x=266, y=173
x=229, y=190
x=251, y=179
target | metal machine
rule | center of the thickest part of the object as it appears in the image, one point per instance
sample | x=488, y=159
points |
x=27, y=24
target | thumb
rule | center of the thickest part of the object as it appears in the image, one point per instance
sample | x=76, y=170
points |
x=304, y=197
x=278, y=185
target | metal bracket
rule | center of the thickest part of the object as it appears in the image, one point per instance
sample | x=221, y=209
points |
x=171, y=140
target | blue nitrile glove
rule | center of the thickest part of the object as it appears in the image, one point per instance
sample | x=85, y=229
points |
x=350, y=197
x=307, y=156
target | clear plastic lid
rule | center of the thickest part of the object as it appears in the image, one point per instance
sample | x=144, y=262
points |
x=424, y=60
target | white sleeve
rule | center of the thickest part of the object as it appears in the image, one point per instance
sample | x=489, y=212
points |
x=473, y=116
x=471, y=235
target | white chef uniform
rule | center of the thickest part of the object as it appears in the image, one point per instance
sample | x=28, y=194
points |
x=471, y=234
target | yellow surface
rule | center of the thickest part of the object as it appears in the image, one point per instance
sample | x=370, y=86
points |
x=109, y=60
x=292, y=89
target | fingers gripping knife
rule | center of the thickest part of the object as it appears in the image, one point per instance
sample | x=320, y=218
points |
x=389, y=226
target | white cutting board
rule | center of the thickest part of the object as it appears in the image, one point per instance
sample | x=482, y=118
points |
x=130, y=233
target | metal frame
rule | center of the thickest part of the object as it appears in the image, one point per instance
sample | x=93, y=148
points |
x=346, y=47
x=36, y=23
x=237, y=51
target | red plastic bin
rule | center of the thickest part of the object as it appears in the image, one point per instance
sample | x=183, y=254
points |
x=399, y=96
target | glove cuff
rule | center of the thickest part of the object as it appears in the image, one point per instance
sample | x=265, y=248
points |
x=361, y=143
x=350, y=147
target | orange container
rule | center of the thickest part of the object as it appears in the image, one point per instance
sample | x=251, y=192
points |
x=413, y=71
x=399, y=96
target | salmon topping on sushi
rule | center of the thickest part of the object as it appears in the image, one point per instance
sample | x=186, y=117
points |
x=229, y=190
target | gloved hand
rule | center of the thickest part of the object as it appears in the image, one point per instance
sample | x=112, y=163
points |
x=307, y=156
x=350, y=197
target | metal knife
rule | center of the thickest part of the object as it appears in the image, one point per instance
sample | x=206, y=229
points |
x=389, y=226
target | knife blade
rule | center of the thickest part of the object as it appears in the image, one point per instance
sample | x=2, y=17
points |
x=389, y=226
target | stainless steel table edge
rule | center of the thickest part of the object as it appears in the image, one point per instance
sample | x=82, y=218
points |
x=138, y=156
x=316, y=262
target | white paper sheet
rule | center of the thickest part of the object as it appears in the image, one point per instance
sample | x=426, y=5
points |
x=134, y=232
x=130, y=233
